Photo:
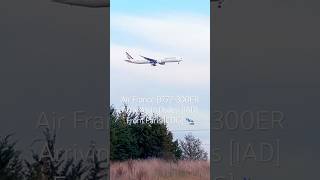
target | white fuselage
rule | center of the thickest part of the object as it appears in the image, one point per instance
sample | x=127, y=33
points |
x=137, y=62
x=153, y=62
x=169, y=60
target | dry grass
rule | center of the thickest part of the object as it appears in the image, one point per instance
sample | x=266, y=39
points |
x=157, y=169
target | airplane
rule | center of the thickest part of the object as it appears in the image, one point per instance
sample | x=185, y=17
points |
x=86, y=3
x=190, y=121
x=153, y=62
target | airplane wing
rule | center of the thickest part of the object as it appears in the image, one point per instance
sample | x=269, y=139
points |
x=190, y=121
x=149, y=59
x=86, y=3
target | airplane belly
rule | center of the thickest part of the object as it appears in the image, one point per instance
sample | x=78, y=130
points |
x=141, y=62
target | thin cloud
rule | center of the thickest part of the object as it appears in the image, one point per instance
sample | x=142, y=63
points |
x=188, y=73
x=182, y=33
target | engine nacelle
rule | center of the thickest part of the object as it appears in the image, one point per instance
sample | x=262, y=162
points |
x=162, y=63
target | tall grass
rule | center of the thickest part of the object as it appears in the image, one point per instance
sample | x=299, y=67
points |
x=158, y=169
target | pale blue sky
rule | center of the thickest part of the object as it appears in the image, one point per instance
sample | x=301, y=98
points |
x=145, y=7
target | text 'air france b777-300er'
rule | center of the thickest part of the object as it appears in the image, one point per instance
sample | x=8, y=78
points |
x=153, y=62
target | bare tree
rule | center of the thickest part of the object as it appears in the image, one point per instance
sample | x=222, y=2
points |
x=191, y=149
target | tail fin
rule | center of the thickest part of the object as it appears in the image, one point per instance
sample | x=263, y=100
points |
x=128, y=56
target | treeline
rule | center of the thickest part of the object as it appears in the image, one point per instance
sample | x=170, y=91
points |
x=49, y=164
x=135, y=135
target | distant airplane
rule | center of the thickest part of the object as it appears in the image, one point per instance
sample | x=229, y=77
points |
x=190, y=121
x=153, y=62
x=86, y=3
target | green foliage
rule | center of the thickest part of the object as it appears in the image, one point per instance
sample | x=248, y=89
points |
x=10, y=163
x=51, y=163
x=136, y=135
x=96, y=168
x=48, y=164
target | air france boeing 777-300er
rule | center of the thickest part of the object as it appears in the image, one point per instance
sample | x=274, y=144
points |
x=153, y=62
